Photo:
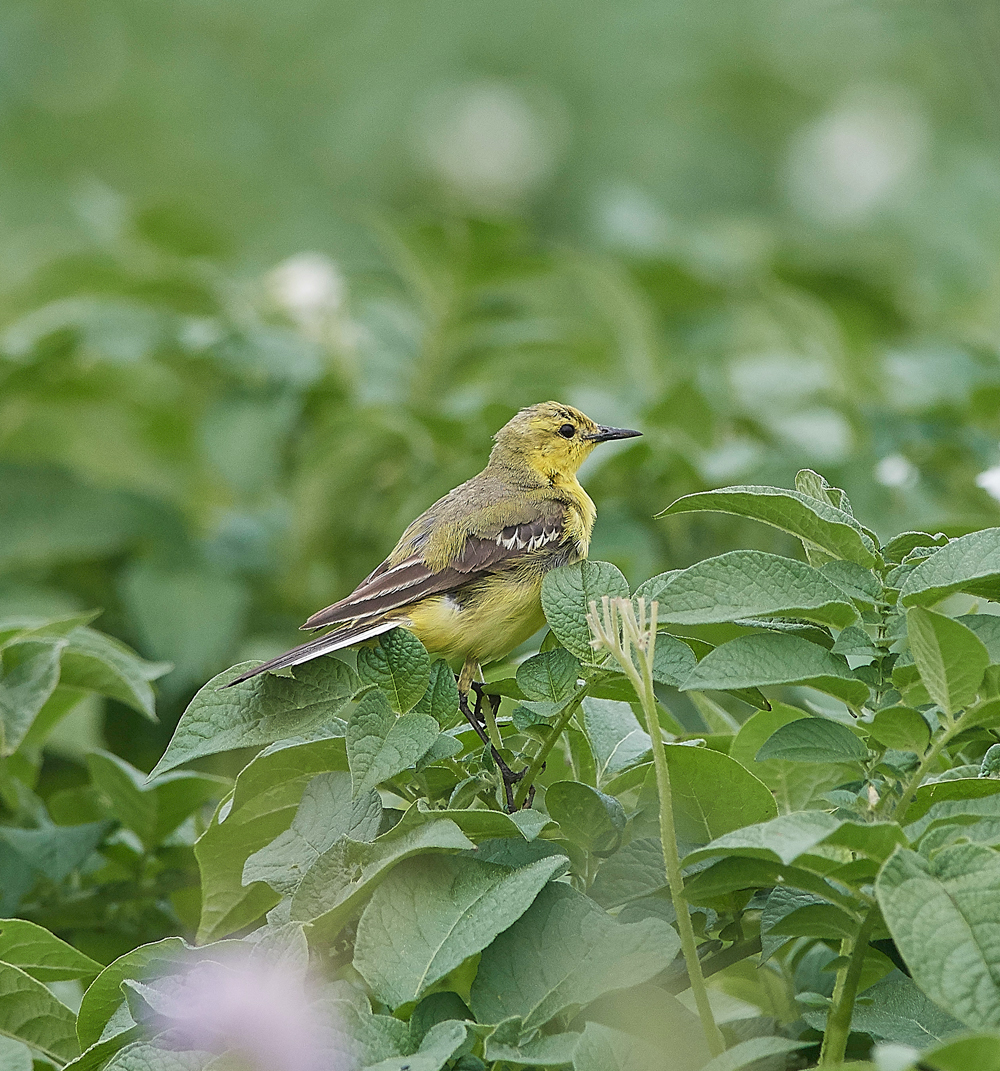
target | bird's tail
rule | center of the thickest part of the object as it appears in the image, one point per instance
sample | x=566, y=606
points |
x=332, y=641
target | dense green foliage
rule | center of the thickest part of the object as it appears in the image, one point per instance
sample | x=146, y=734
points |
x=802, y=877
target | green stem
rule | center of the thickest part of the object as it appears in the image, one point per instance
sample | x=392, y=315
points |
x=536, y=764
x=668, y=837
x=492, y=730
x=921, y=772
x=838, y=1022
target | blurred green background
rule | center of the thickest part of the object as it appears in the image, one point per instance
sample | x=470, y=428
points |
x=271, y=275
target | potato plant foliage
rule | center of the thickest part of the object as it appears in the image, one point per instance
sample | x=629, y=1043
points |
x=828, y=727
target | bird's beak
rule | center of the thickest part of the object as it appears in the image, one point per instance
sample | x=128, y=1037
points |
x=603, y=434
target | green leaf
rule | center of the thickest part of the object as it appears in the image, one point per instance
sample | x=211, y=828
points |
x=894, y=1009
x=987, y=628
x=964, y=788
x=970, y=564
x=673, y=660
x=345, y=874
x=104, y=996
x=481, y=825
x=586, y=817
x=750, y=583
x=380, y=745
x=41, y=954
x=898, y=547
x=567, y=593
x=30, y=675
x=440, y=699
x=855, y=641
x=101, y=664
x=263, y=805
x=795, y=786
x=981, y=1052
x=616, y=738
x=813, y=740
x=326, y=813
x=823, y=921
x=950, y=657
x=602, y=1048
x=712, y=794
x=542, y=1050
x=151, y=809
x=819, y=526
x=941, y=913
x=564, y=952
x=776, y=658
x=147, y=1056
x=437, y=1048
x=633, y=872
x=550, y=676
x=430, y=914
x=749, y=1052
x=781, y=840
x=902, y=728
x=259, y=711
x=854, y=581
x=51, y=851
x=31, y=1014
x=398, y=664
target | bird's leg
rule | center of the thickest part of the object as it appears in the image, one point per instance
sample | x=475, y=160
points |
x=467, y=683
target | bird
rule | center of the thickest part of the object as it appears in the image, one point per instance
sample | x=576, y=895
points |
x=466, y=576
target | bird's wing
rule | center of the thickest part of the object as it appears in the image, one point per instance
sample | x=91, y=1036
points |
x=391, y=587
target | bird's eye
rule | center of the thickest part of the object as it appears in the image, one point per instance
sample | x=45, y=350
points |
x=567, y=431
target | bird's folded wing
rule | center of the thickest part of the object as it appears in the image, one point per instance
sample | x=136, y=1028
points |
x=391, y=587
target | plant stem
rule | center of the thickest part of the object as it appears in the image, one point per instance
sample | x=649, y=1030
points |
x=921, y=772
x=536, y=764
x=620, y=642
x=838, y=1021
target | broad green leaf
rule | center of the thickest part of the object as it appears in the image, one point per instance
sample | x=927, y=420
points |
x=795, y=786
x=749, y=1052
x=30, y=673
x=633, y=872
x=750, y=583
x=982, y=1052
x=854, y=581
x=345, y=874
x=825, y=921
x=964, y=788
x=711, y=793
x=673, y=660
x=148, y=1056
x=970, y=563
x=104, y=996
x=776, y=658
x=440, y=699
x=616, y=738
x=430, y=914
x=259, y=711
x=380, y=745
x=855, y=641
x=151, y=809
x=551, y=675
x=942, y=915
x=263, y=805
x=819, y=526
x=898, y=547
x=987, y=628
x=41, y=954
x=51, y=851
x=602, y=1048
x=567, y=593
x=813, y=740
x=894, y=1009
x=564, y=952
x=31, y=1014
x=399, y=664
x=961, y=812
x=326, y=813
x=101, y=664
x=542, y=1050
x=437, y=1048
x=902, y=728
x=480, y=825
x=586, y=817
x=781, y=840
x=950, y=657
x=781, y=902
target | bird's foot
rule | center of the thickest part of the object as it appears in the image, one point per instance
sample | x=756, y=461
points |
x=475, y=718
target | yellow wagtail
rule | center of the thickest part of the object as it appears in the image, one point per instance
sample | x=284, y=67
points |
x=466, y=576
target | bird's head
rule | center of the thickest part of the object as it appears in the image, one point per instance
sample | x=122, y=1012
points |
x=551, y=439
